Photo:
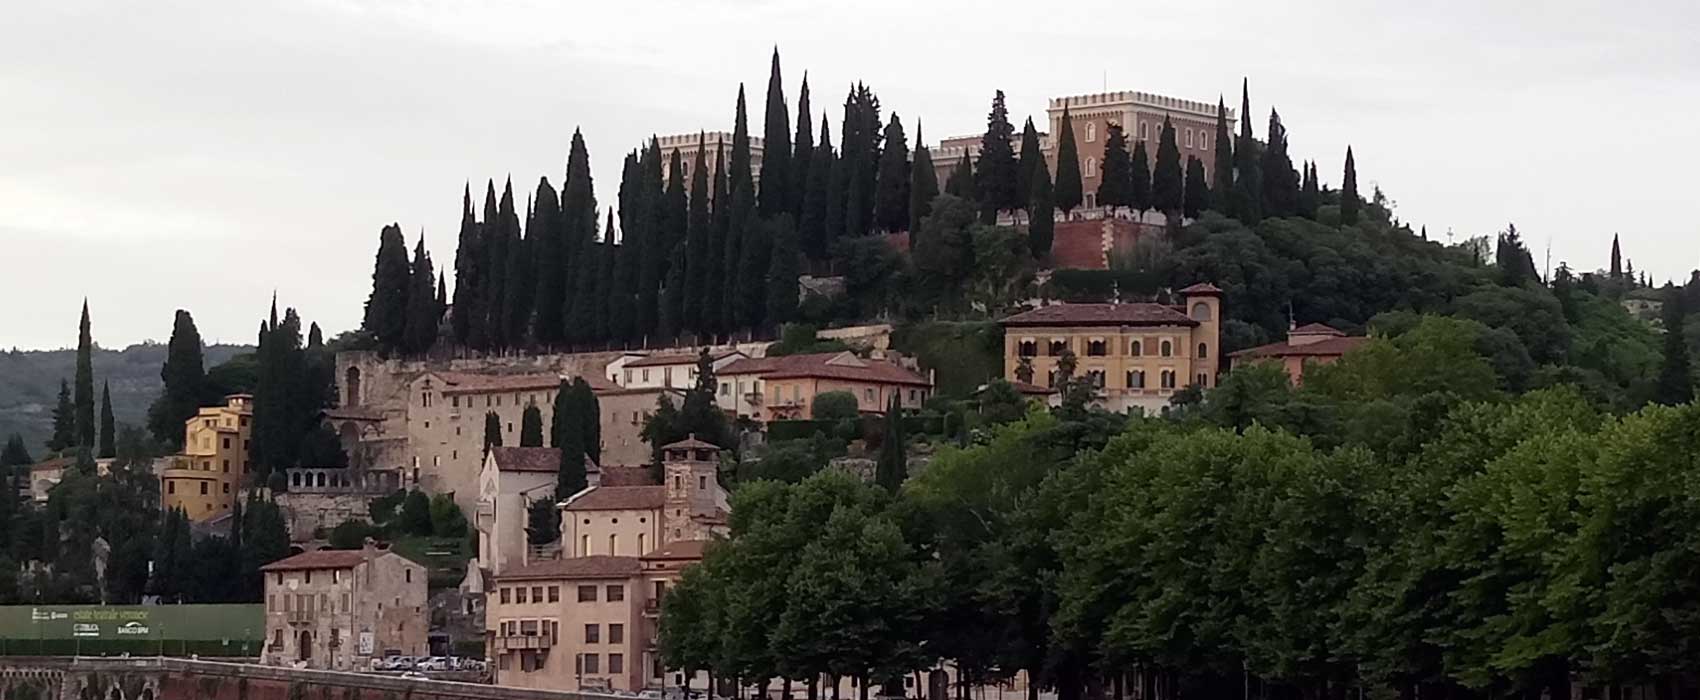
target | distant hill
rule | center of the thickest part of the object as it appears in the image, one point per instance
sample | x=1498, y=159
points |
x=29, y=385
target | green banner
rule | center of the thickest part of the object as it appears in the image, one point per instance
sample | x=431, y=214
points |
x=204, y=629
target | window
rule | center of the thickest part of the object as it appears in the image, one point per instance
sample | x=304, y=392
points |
x=1097, y=348
x=504, y=662
x=407, y=575
x=1189, y=137
x=911, y=395
x=660, y=590
x=1027, y=348
x=227, y=466
x=1200, y=311
x=646, y=374
x=536, y=594
x=277, y=638
x=584, y=546
x=586, y=594
x=1057, y=347
x=1091, y=132
x=425, y=399
x=628, y=376
x=613, y=544
x=592, y=663
x=702, y=483
x=227, y=443
x=1133, y=348
x=593, y=634
x=868, y=394
x=505, y=594
x=1202, y=379
x=171, y=487
x=226, y=486
x=1091, y=200
x=510, y=426
x=203, y=488
x=1202, y=142
x=454, y=401
x=616, y=663
x=1166, y=349
x=617, y=592
x=641, y=550
x=1203, y=351
x=520, y=595
x=1135, y=379
x=1145, y=130
x=554, y=594
x=1091, y=167
x=726, y=388
x=1095, y=378
x=1168, y=379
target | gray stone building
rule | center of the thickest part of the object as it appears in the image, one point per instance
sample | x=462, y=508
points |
x=338, y=609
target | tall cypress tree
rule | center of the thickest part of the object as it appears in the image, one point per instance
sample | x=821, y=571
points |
x=812, y=225
x=669, y=319
x=467, y=274
x=531, y=426
x=1139, y=194
x=996, y=177
x=776, y=147
x=697, y=234
x=442, y=295
x=781, y=303
x=1310, y=194
x=600, y=259
x=836, y=198
x=64, y=421
x=802, y=152
x=1197, y=189
x=653, y=240
x=184, y=377
x=578, y=235
x=549, y=259
x=1041, y=211
x=675, y=220
x=1248, y=170
x=108, y=432
x=1616, y=259
x=753, y=258
x=494, y=267
x=1115, y=178
x=739, y=225
x=622, y=296
x=714, y=266
x=1167, y=185
x=520, y=290
x=859, y=158
x=1069, y=193
x=923, y=181
x=1349, y=202
x=1280, y=182
x=421, y=327
x=891, y=193
x=1223, y=185
x=1028, y=158
x=1676, y=384
x=386, y=307
x=960, y=184
x=84, y=385
x=492, y=431
x=892, y=469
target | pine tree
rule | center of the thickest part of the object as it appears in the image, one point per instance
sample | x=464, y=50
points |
x=1167, y=186
x=108, y=434
x=996, y=178
x=1041, y=211
x=492, y=431
x=84, y=385
x=531, y=427
x=1676, y=384
x=468, y=275
x=1616, y=259
x=812, y=230
x=1115, y=182
x=1197, y=189
x=185, y=382
x=1139, y=194
x=578, y=236
x=697, y=234
x=1349, y=202
x=1223, y=187
x=421, y=315
x=1280, y=182
x=1028, y=159
x=776, y=147
x=960, y=184
x=781, y=305
x=1069, y=193
x=64, y=421
x=1248, y=171
x=802, y=152
x=892, y=469
x=549, y=257
x=923, y=181
x=891, y=193
x=386, y=307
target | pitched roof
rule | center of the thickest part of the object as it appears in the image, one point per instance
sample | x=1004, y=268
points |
x=827, y=365
x=1327, y=347
x=685, y=549
x=322, y=559
x=595, y=566
x=1031, y=389
x=1202, y=288
x=677, y=358
x=1137, y=314
x=613, y=475
x=474, y=383
x=527, y=459
x=52, y=464
x=620, y=498
x=353, y=413
x=691, y=443
x=1315, y=329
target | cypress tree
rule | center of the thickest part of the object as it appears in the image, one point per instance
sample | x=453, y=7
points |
x=836, y=198
x=1349, y=202
x=108, y=434
x=1041, y=210
x=1311, y=196
x=653, y=240
x=739, y=225
x=714, y=292
x=623, y=282
x=1197, y=189
x=1248, y=171
x=891, y=193
x=494, y=267
x=1676, y=384
x=812, y=224
x=860, y=157
x=421, y=326
x=1139, y=194
x=1280, y=183
x=923, y=181
x=1223, y=186
x=601, y=259
x=492, y=431
x=185, y=382
x=467, y=274
x=64, y=421
x=519, y=291
x=1028, y=159
x=996, y=177
x=531, y=427
x=697, y=234
x=589, y=417
x=1069, y=193
x=1115, y=182
x=960, y=184
x=15, y=454
x=776, y=147
x=84, y=385
x=1616, y=259
x=670, y=320
x=675, y=205
x=442, y=296
x=575, y=435
x=386, y=307
x=549, y=258
x=1167, y=188
x=753, y=261
x=578, y=235
x=802, y=152
x=782, y=270
x=892, y=469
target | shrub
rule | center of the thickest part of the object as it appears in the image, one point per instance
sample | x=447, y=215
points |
x=834, y=406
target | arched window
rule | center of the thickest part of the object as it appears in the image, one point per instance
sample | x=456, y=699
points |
x=1167, y=378
x=1097, y=348
x=1028, y=348
x=1200, y=311
x=1203, y=351
x=1091, y=132
x=1166, y=349
x=351, y=381
x=1136, y=379
x=1091, y=167
x=1134, y=349
x=1058, y=347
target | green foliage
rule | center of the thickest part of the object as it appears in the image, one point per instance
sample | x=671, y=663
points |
x=416, y=514
x=542, y=522
x=776, y=146
x=892, y=191
x=800, y=339
x=1167, y=181
x=996, y=177
x=64, y=421
x=531, y=427
x=576, y=431
x=1041, y=212
x=1676, y=381
x=1069, y=193
x=84, y=386
x=1197, y=189
x=446, y=518
x=834, y=406
x=943, y=247
x=999, y=403
x=352, y=534
x=108, y=431
x=492, y=430
x=184, y=379
x=1281, y=186
x=1350, y=204
x=784, y=260
x=962, y=355
x=386, y=307
x=1116, y=176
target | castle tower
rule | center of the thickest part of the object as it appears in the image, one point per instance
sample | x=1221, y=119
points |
x=691, y=469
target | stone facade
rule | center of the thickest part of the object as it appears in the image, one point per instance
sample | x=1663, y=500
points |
x=1140, y=114
x=338, y=609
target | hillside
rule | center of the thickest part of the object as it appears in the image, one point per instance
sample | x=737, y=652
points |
x=29, y=384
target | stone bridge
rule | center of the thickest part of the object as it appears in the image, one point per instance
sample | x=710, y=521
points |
x=152, y=678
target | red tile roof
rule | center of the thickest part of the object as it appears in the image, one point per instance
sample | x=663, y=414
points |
x=686, y=549
x=527, y=459
x=1137, y=314
x=620, y=498
x=470, y=383
x=1031, y=389
x=57, y=463
x=353, y=413
x=1202, y=288
x=591, y=567
x=825, y=365
x=676, y=358
x=691, y=443
x=1329, y=347
x=1315, y=329
x=324, y=559
x=624, y=476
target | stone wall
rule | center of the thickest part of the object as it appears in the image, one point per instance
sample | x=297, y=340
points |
x=304, y=513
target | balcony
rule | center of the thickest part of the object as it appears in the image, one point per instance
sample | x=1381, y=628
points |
x=300, y=617
x=524, y=642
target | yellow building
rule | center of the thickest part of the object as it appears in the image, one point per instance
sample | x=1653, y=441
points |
x=1135, y=355
x=206, y=476
x=785, y=387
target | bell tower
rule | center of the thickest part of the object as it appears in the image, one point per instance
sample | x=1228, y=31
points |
x=691, y=469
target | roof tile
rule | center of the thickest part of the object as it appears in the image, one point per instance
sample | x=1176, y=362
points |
x=620, y=498
x=591, y=567
x=1136, y=314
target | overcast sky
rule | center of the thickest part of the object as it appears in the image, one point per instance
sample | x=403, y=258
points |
x=200, y=155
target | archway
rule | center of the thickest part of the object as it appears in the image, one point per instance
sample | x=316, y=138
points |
x=304, y=646
x=351, y=382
